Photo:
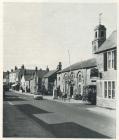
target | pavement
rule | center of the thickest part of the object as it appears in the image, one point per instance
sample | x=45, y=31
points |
x=26, y=117
x=93, y=108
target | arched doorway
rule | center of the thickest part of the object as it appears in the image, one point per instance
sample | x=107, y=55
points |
x=79, y=89
x=71, y=91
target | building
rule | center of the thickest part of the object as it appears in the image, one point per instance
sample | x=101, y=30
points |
x=6, y=78
x=99, y=72
x=25, y=82
x=73, y=80
x=36, y=81
x=16, y=75
x=26, y=78
x=12, y=77
x=50, y=78
x=106, y=55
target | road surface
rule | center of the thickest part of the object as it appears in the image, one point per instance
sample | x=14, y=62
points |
x=25, y=117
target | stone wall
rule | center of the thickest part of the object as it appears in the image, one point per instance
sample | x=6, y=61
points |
x=109, y=103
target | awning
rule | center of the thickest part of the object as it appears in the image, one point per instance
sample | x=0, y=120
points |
x=14, y=85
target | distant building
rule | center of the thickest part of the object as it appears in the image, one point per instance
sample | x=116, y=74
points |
x=49, y=79
x=16, y=75
x=25, y=82
x=6, y=77
x=12, y=77
x=36, y=81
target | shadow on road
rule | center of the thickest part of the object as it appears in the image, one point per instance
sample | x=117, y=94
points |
x=12, y=98
x=62, y=130
x=30, y=109
x=73, y=130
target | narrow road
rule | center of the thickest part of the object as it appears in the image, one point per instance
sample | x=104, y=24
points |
x=25, y=117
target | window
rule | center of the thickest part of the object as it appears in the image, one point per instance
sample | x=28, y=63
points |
x=102, y=34
x=59, y=78
x=111, y=60
x=79, y=77
x=94, y=72
x=72, y=76
x=113, y=90
x=109, y=89
x=95, y=34
x=105, y=89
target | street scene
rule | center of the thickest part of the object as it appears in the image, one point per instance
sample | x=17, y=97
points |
x=60, y=70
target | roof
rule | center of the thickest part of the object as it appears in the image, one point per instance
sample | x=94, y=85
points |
x=109, y=43
x=20, y=72
x=100, y=26
x=81, y=65
x=50, y=73
x=41, y=73
x=28, y=77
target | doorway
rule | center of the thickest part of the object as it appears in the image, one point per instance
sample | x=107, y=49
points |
x=71, y=91
x=79, y=89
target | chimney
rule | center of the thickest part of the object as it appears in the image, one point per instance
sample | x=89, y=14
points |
x=36, y=69
x=47, y=69
x=15, y=68
x=8, y=72
x=59, y=67
x=22, y=67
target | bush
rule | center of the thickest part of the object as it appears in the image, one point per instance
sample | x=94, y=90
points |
x=89, y=94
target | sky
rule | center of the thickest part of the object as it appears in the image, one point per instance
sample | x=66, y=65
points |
x=40, y=34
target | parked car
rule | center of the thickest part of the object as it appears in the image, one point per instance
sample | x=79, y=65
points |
x=38, y=96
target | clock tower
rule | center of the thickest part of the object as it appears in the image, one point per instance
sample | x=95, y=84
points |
x=99, y=36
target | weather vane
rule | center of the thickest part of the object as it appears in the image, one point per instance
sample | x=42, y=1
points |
x=100, y=14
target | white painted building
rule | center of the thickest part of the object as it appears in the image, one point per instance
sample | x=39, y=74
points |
x=72, y=80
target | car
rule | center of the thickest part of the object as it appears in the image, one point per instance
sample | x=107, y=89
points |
x=38, y=96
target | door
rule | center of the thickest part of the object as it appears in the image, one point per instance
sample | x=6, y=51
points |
x=71, y=91
x=79, y=89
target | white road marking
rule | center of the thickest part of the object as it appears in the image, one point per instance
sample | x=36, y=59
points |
x=10, y=103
